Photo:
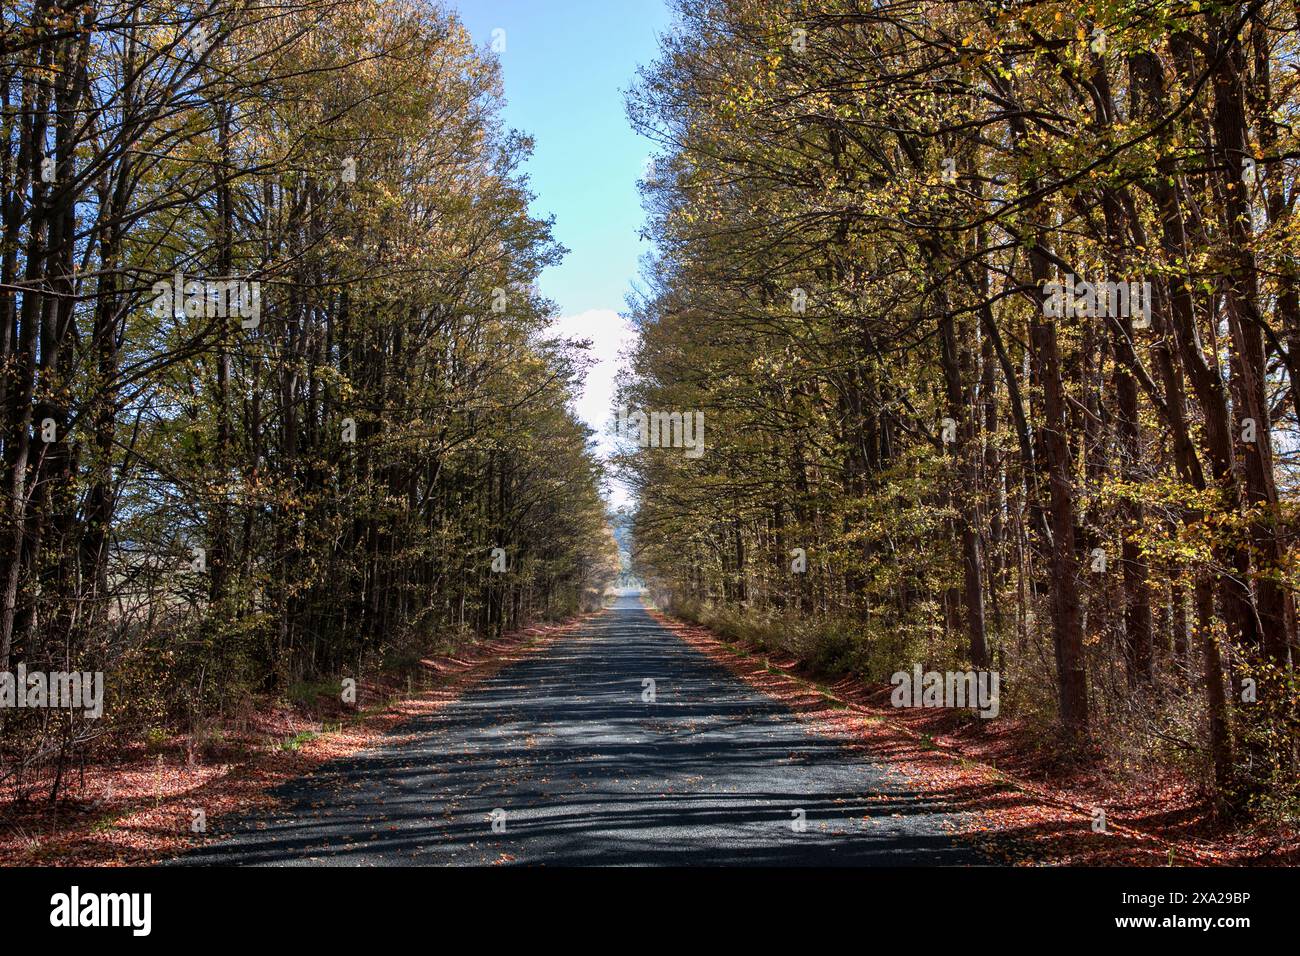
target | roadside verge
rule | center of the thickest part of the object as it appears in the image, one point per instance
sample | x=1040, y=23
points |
x=146, y=804
x=1012, y=821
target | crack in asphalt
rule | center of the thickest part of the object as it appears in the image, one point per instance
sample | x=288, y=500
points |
x=587, y=773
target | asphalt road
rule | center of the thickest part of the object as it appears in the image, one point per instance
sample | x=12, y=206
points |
x=586, y=772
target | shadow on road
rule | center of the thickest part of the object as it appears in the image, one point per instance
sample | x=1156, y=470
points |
x=586, y=771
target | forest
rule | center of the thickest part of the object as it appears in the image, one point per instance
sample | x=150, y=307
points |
x=993, y=311
x=278, y=397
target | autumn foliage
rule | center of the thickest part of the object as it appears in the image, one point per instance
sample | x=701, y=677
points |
x=206, y=499
x=866, y=218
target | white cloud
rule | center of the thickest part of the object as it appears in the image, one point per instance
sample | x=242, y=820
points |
x=609, y=333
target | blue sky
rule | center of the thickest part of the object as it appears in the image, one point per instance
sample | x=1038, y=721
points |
x=566, y=64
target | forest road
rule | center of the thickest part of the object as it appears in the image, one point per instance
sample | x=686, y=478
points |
x=562, y=758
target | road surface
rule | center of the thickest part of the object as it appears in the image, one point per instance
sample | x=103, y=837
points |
x=584, y=771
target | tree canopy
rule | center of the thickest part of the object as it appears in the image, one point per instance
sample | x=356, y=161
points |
x=992, y=311
x=278, y=398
